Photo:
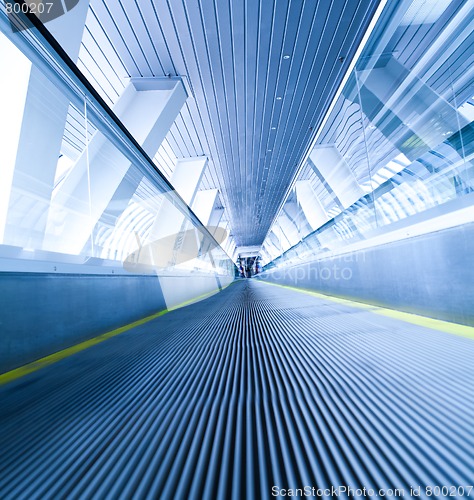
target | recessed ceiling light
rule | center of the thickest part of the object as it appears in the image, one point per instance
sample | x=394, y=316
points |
x=286, y=56
x=274, y=128
x=279, y=98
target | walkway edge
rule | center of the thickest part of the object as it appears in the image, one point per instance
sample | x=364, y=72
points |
x=414, y=319
x=21, y=371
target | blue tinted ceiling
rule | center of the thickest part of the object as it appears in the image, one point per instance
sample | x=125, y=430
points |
x=253, y=110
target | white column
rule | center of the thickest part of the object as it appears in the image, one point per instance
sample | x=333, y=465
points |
x=38, y=146
x=215, y=219
x=275, y=239
x=186, y=179
x=229, y=246
x=68, y=28
x=337, y=174
x=396, y=100
x=147, y=108
x=288, y=228
x=203, y=204
x=15, y=69
x=310, y=205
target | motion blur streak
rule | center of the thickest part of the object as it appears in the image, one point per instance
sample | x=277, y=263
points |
x=254, y=387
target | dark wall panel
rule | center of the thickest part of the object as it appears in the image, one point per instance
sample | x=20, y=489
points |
x=431, y=275
x=43, y=313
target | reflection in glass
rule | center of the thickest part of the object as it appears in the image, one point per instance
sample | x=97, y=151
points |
x=399, y=140
x=71, y=193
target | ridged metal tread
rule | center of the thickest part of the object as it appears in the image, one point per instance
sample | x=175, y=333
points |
x=255, y=387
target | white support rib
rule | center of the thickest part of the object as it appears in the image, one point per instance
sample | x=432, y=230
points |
x=186, y=179
x=337, y=173
x=71, y=220
x=204, y=203
x=39, y=144
x=310, y=205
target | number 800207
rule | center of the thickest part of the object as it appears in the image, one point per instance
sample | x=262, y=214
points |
x=33, y=8
x=448, y=491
